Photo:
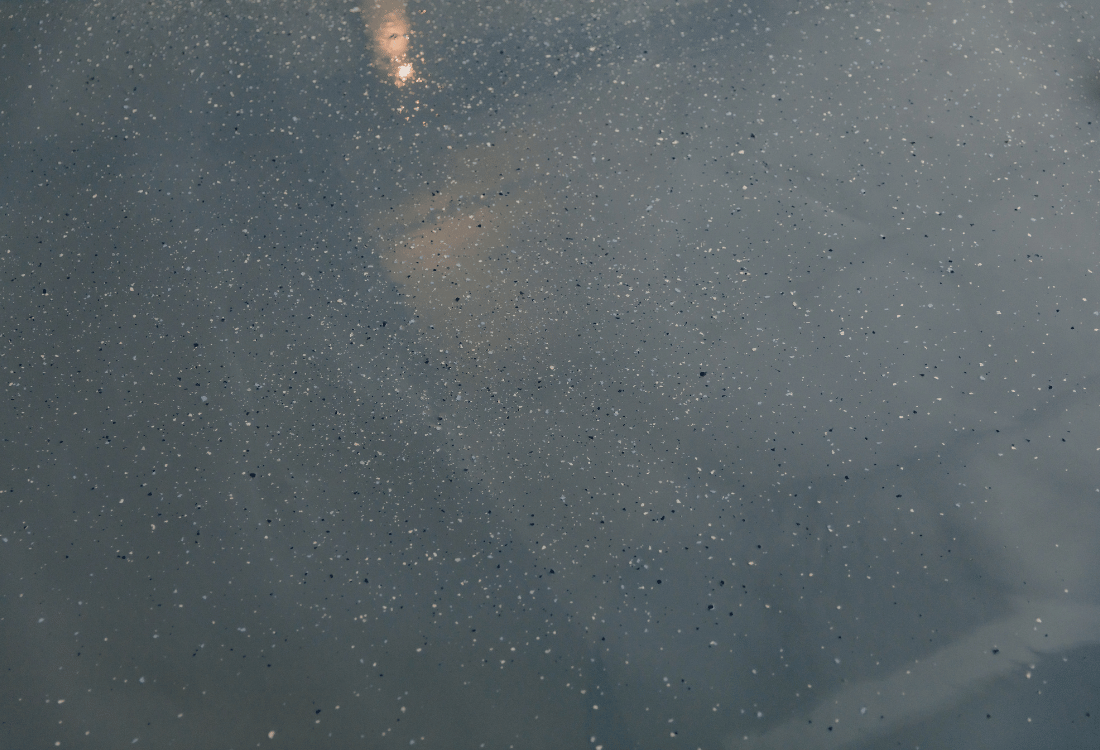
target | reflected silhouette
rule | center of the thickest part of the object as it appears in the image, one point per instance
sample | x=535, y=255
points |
x=388, y=25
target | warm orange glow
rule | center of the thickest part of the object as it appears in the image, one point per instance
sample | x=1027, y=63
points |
x=455, y=252
x=388, y=25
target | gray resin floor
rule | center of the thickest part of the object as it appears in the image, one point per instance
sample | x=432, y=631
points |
x=549, y=374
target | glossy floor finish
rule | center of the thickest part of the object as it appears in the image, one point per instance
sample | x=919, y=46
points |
x=549, y=374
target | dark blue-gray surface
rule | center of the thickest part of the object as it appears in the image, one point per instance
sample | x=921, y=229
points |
x=549, y=374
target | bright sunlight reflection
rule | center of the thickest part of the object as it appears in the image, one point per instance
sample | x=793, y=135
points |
x=388, y=24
